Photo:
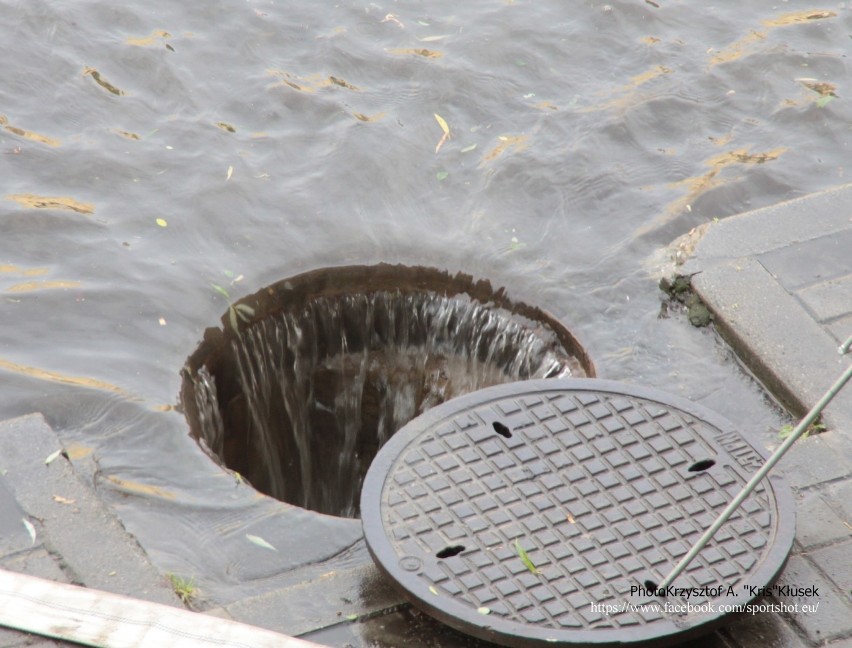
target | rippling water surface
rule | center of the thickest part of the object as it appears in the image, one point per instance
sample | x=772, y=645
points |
x=150, y=150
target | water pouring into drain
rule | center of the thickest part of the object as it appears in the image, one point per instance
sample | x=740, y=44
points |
x=300, y=397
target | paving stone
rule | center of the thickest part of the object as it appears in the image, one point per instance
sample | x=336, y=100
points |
x=813, y=461
x=764, y=630
x=830, y=299
x=840, y=329
x=766, y=326
x=13, y=534
x=811, y=262
x=839, y=496
x=319, y=602
x=35, y=563
x=14, y=639
x=816, y=522
x=95, y=548
x=836, y=561
x=778, y=226
x=833, y=616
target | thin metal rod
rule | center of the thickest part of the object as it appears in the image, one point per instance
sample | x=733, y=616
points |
x=760, y=474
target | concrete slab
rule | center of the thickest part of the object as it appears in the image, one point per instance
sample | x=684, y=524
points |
x=779, y=283
x=70, y=520
x=325, y=601
x=831, y=619
x=765, y=630
x=835, y=562
x=817, y=523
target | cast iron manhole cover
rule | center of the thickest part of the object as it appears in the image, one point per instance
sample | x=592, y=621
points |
x=541, y=512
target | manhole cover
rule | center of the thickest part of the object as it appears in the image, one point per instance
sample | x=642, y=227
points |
x=544, y=512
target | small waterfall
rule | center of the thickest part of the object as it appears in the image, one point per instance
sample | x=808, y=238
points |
x=314, y=392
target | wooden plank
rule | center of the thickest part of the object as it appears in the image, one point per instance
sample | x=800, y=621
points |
x=105, y=620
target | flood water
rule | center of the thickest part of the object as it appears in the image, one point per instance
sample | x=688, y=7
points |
x=152, y=152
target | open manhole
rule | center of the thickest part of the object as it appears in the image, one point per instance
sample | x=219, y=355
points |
x=546, y=512
x=309, y=377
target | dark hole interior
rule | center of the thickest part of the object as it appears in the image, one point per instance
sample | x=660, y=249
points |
x=307, y=378
x=650, y=585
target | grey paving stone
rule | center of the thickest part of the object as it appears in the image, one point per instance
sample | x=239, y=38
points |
x=766, y=326
x=14, y=639
x=839, y=496
x=830, y=299
x=37, y=562
x=95, y=548
x=816, y=522
x=319, y=602
x=810, y=262
x=840, y=329
x=13, y=534
x=765, y=630
x=813, y=461
x=773, y=227
x=833, y=616
x=836, y=561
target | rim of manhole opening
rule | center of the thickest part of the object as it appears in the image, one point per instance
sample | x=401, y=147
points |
x=308, y=377
x=524, y=513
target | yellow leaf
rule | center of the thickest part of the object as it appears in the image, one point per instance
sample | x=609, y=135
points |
x=140, y=488
x=162, y=222
x=442, y=123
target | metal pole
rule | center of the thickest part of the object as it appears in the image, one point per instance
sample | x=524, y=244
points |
x=760, y=474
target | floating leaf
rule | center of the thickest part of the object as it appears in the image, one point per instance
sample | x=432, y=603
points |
x=260, y=542
x=53, y=455
x=522, y=554
x=106, y=85
x=433, y=590
x=51, y=202
x=442, y=175
x=30, y=529
x=140, y=488
x=571, y=519
x=63, y=500
x=442, y=123
x=484, y=610
x=162, y=222
x=425, y=53
x=230, y=173
x=221, y=291
x=444, y=127
x=351, y=617
x=468, y=149
x=822, y=101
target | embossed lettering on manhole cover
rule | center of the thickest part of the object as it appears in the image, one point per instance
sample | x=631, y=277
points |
x=543, y=512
